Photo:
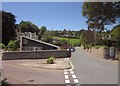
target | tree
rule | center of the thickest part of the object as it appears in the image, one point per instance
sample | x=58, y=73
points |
x=115, y=33
x=47, y=37
x=86, y=37
x=77, y=34
x=41, y=32
x=102, y=13
x=13, y=45
x=27, y=26
x=8, y=27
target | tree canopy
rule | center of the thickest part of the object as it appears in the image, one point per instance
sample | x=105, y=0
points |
x=8, y=27
x=42, y=30
x=102, y=13
x=47, y=37
x=115, y=33
x=27, y=26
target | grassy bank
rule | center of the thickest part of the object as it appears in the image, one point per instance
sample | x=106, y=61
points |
x=72, y=41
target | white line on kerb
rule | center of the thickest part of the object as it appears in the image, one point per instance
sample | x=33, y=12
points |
x=70, y=69
x=74, y=76
x=66, y=77
x=76, y=81
x=67, y=81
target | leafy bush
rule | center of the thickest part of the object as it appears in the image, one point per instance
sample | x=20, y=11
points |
x=97, y=47
x=50, y=60
x=101, y=46
x=13, y=45
x=47, y=37
x=2, y=46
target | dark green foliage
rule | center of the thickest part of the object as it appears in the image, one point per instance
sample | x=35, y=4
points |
x=13, y=45
x=102, y=12
x=115, y=33
x=47, y=37
x=2, y=46
x=27, y=26
x=64, y=42
x=8, y=27
x=42, y=30
x=87, y=37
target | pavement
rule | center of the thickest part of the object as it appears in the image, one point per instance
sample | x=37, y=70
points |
x=29, y=75
x=91, y=70
x=58, y=65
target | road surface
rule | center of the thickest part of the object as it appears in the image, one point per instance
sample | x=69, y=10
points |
x=90, y=70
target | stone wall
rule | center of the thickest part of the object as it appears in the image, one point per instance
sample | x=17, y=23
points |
x=44, y=54
x=100, y=53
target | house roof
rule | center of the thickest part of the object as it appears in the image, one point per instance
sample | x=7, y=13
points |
x=40, y=41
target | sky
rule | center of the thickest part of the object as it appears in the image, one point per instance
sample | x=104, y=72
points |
x=53, y=15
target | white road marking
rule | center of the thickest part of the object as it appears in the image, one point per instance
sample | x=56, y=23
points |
x=72, y=72
x=74, y=76
x=66, y=77
x=65, y=72
x=76, y=81
x=71, y=65
x=67, y=81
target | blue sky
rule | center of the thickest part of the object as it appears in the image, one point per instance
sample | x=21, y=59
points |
x=53, y=15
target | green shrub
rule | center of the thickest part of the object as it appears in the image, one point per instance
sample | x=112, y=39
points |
x=13, y=45
x=50, y=60
x=101, y=46
x=2, y=46
x=97, y=47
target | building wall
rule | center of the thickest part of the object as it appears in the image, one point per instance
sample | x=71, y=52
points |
x=44, y=54
x=28, y=34
x=28, y=45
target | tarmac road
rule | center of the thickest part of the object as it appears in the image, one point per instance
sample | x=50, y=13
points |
x=90, y=70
